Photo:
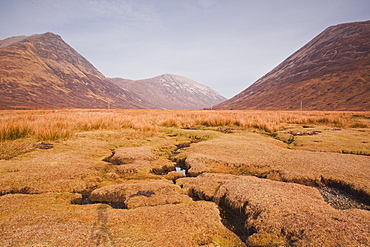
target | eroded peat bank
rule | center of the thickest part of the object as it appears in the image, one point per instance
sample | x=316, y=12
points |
x=184, y=178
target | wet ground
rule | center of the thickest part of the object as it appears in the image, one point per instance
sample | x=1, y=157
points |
x=340, y=199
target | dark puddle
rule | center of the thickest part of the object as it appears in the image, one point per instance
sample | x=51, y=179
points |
x=44, y=145
x=84, y=200
x=341, y=199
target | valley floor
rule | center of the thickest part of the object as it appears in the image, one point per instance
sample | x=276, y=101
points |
x=253, y=178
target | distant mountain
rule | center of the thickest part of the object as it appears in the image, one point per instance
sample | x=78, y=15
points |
x=331, y=72
x=171, y=92
x=43, y=71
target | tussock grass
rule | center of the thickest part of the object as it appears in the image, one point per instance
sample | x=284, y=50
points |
x=53, y=125
x=265, y=157
x=281, y=214
x=10, y=149
x=85, y=137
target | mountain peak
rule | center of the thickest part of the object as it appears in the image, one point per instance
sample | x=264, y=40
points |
x=169, y=91
x=46, y=37
x=331, y=72
x=42, y=70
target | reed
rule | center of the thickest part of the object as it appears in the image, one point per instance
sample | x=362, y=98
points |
x=52, y=125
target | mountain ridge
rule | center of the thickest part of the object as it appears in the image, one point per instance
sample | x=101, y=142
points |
x=43, y=71
x=331, y=72
x=169, y=91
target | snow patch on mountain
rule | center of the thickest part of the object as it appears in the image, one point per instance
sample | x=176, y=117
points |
x=170, y=91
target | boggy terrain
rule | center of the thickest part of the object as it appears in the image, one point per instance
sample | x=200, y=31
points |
x=113, y=178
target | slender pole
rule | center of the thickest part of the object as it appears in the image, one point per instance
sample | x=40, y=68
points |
x=301, y=105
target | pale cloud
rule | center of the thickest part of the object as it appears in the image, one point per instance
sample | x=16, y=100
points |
x=224, y=44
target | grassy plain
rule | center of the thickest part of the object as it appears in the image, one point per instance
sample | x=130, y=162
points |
x=296, y=146
x=52, y=125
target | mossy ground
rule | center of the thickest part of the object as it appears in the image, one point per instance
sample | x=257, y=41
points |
x=38, y=185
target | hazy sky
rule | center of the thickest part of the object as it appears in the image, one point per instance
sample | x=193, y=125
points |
x=224, y=44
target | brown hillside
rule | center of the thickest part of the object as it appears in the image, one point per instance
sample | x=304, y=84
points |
x=43, y=71
x=331, y=72
x=171, y=92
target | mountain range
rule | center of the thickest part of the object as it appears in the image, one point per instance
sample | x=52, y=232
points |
x=331, y=72
x=171, y=92
x=43, y=71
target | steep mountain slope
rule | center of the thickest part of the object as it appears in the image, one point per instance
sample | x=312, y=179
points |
x=43, y=71
x=331, y=72
x=171, y=92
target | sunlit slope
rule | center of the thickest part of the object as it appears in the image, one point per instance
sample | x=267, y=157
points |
x=43, y=71
x=331, y=72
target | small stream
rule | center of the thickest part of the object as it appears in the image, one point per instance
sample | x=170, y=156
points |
x=179, y=169
x=180, y=164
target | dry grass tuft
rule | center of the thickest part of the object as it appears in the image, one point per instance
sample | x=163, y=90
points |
x=51, y=220
x=129, y=154
x=265, y=157
x=278, y=213
x=174, y=175
x=140, y=194
x=147, y=143
x=194, y=224
x=44, y=220
x=11, y=149
x=53, y=125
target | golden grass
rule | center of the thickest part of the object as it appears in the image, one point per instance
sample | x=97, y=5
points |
x=12, y=148
x=51, y=125
x=282, y=214
x=161, y=192
x=83, y=138
x=59, y=124
x=258, y=155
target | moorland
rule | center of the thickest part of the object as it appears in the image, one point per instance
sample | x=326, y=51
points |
x=184, y=178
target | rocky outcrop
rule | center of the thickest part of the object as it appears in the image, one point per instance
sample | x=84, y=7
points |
x=331, y=72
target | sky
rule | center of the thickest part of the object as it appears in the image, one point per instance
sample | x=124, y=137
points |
x=224, y=44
